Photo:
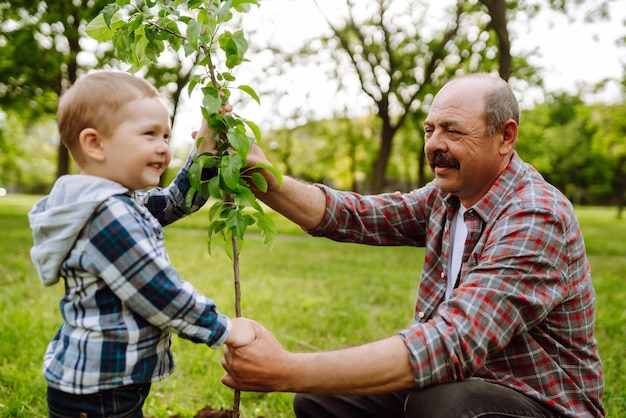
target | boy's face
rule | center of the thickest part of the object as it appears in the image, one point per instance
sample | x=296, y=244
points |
x=138, y=151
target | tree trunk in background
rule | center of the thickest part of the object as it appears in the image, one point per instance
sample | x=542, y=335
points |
x=66, y=80
x=497, y=12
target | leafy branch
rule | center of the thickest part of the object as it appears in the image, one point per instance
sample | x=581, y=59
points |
x=140, y=32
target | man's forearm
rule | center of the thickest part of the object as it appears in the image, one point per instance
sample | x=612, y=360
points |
x=300, y=202
x=377, y=367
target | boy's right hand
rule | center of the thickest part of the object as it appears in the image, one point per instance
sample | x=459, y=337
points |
x=208, y=144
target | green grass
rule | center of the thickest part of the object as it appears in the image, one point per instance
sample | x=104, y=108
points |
x=312, y=293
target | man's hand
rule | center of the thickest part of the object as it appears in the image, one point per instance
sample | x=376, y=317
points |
x=261, y=366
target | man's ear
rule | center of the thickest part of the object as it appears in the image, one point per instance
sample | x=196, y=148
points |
x=91, y=144
x=509, y=137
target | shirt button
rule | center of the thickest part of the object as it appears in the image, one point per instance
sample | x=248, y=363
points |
x=442, y=275
x=421, y=315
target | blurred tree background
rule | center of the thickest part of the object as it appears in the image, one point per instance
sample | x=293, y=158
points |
x=394, y=52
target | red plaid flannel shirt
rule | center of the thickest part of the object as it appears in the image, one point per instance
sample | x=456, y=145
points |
x=522, y=313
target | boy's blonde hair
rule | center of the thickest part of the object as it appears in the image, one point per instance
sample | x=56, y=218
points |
x=94, y=101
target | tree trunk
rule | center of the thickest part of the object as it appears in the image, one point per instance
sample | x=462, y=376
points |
x=497, y=12
x=73, y=38
x=382, y=159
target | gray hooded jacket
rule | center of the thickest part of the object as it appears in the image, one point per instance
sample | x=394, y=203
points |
x=57, y=219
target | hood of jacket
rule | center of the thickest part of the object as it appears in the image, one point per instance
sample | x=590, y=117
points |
x=57, y=219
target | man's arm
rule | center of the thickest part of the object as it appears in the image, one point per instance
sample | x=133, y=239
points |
x=302, y=203
x=265, y=366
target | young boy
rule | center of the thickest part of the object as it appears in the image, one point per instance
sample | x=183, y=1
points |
x=104, y=236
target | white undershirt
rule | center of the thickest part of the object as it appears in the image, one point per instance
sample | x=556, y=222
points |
x=458, y=234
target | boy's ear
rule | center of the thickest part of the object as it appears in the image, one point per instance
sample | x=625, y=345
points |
x=91, y=144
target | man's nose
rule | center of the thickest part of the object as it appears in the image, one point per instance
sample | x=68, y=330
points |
x=435, y=142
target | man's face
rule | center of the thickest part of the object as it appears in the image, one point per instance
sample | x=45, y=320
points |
x=464, y=160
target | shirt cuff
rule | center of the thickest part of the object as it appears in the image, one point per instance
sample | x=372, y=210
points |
x=228, y=325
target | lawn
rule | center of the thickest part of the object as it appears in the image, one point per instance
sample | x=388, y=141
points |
x=312, y=293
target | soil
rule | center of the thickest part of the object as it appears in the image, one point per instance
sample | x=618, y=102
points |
x=208, y=412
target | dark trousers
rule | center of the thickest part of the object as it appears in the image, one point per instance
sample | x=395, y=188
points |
x=467, y=399
x=123, y=402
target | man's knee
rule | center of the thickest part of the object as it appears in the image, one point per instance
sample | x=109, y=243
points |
x=471, y=398
x=307, y=406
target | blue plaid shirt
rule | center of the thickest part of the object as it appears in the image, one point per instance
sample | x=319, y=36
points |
x=123, y=298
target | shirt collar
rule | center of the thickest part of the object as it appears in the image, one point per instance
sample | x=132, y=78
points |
x=490, y=202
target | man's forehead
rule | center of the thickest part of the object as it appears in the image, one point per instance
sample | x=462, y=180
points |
x=455, y=112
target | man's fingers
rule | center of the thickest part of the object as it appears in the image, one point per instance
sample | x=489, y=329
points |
x=228, y=381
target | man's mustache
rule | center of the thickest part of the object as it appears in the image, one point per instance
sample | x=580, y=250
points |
x=441, y=159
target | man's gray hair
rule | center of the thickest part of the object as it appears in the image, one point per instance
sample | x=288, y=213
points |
x=500, y=106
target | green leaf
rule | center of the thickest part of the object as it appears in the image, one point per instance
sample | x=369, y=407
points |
x=214, y=229
x=215, y=210
x=223, y=13
x=189, y=49
x=189, y=200
x=228, y=246
x=211, y=104
x=193, y=82
x=230, y=170
x=245, y=198
x=255, y=129
x=214, y=188
x=267, y=227
x=234, y=46
x=99, y=29
x=211, y=100
x=259, y=181
x=236, y=223
x=109, y=12
x=228, y=76
x=272, y=170
x=172, y=28
x=239, y=140
x=251, y=92
x=193, y=33
x=215, y=121
x=243, y=6
x=153, y=50
x=207, y=20
x=195, y=174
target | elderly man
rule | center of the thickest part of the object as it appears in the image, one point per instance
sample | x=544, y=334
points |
x=504, y=318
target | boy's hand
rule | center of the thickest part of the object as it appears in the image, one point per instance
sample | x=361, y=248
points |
x=241, y=333
x=208, y=144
